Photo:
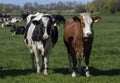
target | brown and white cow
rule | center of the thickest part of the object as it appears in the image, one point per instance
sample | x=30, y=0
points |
x=78, y=38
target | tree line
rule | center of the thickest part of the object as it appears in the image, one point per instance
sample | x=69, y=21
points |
x=96, y=6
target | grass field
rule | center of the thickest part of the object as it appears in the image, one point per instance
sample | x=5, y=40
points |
x=15, y=63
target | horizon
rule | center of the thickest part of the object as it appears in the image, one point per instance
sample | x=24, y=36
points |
x=22, y=2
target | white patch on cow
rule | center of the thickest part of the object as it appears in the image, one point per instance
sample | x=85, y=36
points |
x=38, y=16
x=14, y=20
x=45, y=21
x=87, y=30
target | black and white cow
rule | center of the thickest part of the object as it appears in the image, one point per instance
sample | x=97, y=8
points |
x=17, y=30
x=41, y=36
x=59, y=19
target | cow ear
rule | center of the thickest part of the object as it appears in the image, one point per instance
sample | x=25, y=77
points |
x=76, y=19
x=35, y=22
x=96, y=19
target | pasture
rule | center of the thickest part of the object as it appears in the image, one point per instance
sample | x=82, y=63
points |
x=15, y=63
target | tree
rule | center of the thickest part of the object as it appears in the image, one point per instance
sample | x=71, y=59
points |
x=80, y=8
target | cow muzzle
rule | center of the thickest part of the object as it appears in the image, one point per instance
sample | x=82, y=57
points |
x=88, y=36
x=45, y=37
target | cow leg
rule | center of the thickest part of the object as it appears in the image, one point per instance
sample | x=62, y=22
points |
x=87, y=64
x=70, y=64
x=74, y=60
x=79, y=59
x=79, y=65
x=87, y=67
x=45, y=65
x=37, y=56
x=32, y=59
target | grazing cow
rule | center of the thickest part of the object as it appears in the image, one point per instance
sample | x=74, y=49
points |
x=78, y=38
x=40, y=36
x=15, y=19
x=24, y=15
x=59, y=19
x=17, y=30
x=6, y=24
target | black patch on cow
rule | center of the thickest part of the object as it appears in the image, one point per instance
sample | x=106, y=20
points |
x=38, y=32
x=54, y=34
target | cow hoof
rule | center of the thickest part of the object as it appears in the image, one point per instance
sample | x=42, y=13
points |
x=45, y=72
x=38, y=71
x=87, y=74
x=73, y=74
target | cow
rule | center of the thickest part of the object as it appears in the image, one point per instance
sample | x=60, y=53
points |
x=40, y=37
x=78, y=38
x=24, y=15
x=17, y=30
x=59, y=19
x=15, y=19
x=6, y=24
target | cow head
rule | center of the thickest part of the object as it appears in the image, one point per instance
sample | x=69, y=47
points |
x=86, y=22
x=13, y=29
x=43, y=27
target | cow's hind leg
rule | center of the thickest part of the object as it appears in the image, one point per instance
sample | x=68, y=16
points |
x=70, y=62
x=32, y=59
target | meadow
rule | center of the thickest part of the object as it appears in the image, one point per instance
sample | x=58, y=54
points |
x=15, y=63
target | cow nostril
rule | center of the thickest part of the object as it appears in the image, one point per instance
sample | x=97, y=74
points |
x=89, y=34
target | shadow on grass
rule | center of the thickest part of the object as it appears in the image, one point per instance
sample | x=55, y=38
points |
x=15, y=72
x=93, y=71
x=110, y=72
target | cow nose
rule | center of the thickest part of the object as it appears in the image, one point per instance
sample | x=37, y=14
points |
x=89, y=34
x=45, y=37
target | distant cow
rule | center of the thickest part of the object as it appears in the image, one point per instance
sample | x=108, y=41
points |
x=78, y=38
x=24, y=15
x=59, y=19
x=6, y=24
x=17, y=30
x=41, y=36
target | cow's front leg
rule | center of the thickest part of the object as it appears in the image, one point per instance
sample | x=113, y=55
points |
x=87, y=66
x=37, y=56
x=45, y=65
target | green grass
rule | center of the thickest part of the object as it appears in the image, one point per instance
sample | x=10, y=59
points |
x=15, y=63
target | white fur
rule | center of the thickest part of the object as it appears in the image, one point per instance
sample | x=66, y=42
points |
x=88, y=21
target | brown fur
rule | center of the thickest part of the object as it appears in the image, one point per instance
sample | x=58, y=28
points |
x=74, y=41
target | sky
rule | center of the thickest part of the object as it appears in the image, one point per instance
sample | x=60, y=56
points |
x=22, y=2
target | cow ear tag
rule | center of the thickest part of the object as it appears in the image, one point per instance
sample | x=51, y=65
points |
x=55, y=25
